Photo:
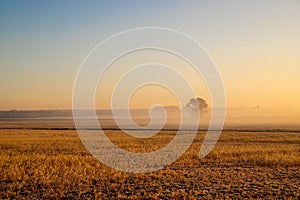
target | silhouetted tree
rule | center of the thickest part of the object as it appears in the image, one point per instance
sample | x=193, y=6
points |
x=197, y=102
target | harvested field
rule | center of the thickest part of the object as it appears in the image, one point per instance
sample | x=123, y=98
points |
x=47, y=164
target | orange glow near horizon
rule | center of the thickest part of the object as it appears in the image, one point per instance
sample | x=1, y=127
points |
x=150, y=95
x=255, y=47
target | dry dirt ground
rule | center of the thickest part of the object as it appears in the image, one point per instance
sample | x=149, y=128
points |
x=51, y=164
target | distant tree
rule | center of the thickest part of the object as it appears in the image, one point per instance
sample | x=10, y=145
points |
x=197, y=104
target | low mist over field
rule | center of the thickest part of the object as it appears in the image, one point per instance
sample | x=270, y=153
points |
x=251, y=118
x=150, y=99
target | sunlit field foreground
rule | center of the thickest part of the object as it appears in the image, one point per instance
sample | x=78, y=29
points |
x=54, y=164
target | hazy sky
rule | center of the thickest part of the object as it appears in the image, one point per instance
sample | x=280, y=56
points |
x=255, y=44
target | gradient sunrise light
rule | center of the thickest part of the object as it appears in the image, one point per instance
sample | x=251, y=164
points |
x=255, y=45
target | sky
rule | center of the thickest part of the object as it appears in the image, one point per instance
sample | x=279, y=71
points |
x=254, y=44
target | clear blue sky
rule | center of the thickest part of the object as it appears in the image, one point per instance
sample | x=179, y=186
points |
x=255, y=44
